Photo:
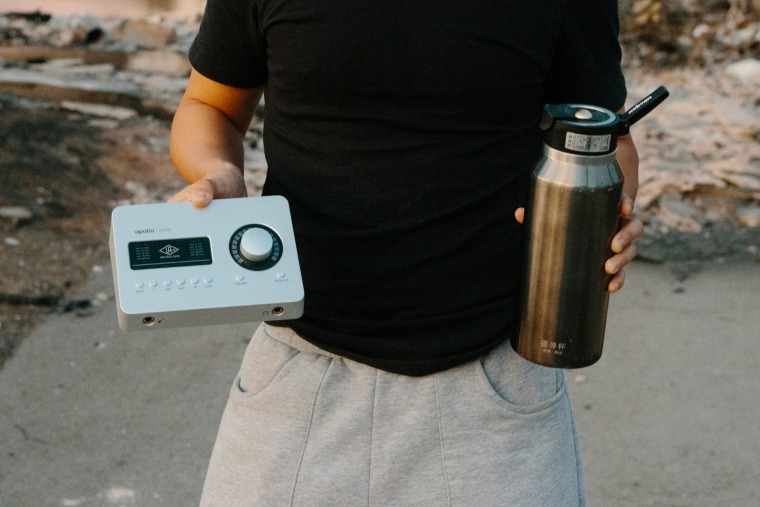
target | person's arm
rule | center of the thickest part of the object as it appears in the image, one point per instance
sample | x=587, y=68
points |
x=207, y=139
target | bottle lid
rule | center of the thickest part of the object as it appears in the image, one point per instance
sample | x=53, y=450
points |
x=580, y=129
x=592, y=130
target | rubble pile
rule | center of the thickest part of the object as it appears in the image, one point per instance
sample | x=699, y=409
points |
x=692, y=32
x=135, y=66
x=114, y=68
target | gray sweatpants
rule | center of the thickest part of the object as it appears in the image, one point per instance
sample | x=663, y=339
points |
x=304, y=427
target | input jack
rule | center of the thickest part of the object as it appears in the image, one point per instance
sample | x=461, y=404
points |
x=278, y=310
x=149, y=321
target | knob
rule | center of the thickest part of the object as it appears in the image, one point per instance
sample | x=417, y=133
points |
x=256, y=244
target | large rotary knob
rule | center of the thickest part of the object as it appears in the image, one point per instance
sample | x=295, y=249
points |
x=256, y=247
x=256, y=244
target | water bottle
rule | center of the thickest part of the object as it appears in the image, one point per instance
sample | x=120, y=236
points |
x=571, y=217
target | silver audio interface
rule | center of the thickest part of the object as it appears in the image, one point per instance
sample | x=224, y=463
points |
x=175, y=265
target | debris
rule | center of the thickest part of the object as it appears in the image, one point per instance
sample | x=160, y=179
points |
x=747, y=71
x=749, y=216
x=15, y=215
x=48, y=300
x=147, y=35
x=118, y=495
x=100, y=110
x=165, y=63
x=80, y=307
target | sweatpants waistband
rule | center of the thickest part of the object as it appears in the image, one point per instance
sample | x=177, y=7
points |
x=291, y=338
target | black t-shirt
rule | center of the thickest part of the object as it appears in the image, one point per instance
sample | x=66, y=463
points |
x=402, y=133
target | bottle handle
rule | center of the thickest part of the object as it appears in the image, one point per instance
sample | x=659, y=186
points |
x=641, y=109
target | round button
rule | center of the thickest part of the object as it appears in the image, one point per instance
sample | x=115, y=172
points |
x=256, y=244
x=584, y=114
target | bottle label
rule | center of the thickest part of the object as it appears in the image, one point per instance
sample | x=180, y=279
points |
x=586, y=143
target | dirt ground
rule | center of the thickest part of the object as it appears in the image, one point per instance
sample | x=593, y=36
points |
x=69, y=171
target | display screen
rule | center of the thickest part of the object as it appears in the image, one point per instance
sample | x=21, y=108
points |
x=169, y=253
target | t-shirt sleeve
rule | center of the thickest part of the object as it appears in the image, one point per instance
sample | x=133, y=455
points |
x=586, y=67
x=228, y=48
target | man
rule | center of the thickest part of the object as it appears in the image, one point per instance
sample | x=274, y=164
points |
x=402, y=133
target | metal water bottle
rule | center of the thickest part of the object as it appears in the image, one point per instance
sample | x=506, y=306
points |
x=570, y=219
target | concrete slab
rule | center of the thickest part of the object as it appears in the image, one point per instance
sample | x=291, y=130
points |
x=90, y=415
x=669, y=416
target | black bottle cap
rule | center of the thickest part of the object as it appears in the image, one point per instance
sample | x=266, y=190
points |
x=580, y=129
x=592, y=130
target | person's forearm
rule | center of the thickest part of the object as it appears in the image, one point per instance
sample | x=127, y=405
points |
x=207, y=139
x=628, y=160
x=204, y=140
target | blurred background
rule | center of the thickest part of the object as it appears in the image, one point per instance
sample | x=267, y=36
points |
x=127, y=8
x=87, y=92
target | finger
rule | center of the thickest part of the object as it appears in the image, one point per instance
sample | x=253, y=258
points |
x=181, y=196
x=184, y=195
x=631, y=230
x=520, y=214
x=200, y=194
x=626, y=205
x=616, y=263
x=202, y=198
x=617, y=282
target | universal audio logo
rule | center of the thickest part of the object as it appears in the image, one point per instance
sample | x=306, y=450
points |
x=169, y=250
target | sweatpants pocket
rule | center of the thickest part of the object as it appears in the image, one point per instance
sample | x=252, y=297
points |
x=264, y=360
x=517, y=384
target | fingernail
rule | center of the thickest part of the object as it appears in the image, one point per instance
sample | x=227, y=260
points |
x=201, y=197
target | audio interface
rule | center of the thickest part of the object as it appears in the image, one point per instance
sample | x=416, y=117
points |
x=176, y=265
